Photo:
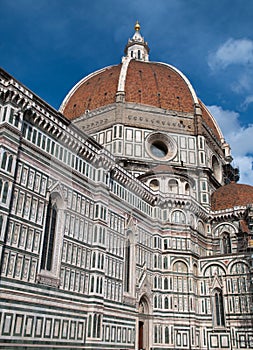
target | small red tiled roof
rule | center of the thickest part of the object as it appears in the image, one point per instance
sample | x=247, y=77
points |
x=232, y=195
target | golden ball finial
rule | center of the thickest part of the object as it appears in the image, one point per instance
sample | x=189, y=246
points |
x=137, y=26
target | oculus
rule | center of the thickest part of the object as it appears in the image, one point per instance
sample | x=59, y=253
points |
x=160, y=146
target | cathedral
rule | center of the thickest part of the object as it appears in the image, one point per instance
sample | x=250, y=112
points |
x=122, y=225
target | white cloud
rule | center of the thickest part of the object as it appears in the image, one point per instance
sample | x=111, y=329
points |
x=240, y=139
x=248, y=100
x=227, y=120
x=233, y=51
x=243, y=83
x=237, y=55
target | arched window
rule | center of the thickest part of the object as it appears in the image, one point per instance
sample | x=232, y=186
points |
x=240, y=268
x=160, y=302
x=95, y=234
x=52, y=240
x=178, y=217
x=101, y=285
x=216, y=168
x=130, y=258
x=102, y=262
x=92, y=284
x=5, y=192
x=143, y=305
x=192, y=220
x=99, y=261
x=201, y=227
x=180, y=266
x=226, y=243
x=195, y=270
x=10, y=163
x=1, y=223
x=89, y=326
x=94, y=259
x=166, y=284
x=49, y=239
x=4, y=160
x=155, y=302
x=154, y=185
x=166, y=303
x=173, y=186
x=94, y=326
x=218, y=305
x=98, y=326
x=98, y=285
x=214, y=269
x=156, y=334
x=127, y=266
x=166, y=335
x=187, y=189
x=165, y=262
x=155, y=261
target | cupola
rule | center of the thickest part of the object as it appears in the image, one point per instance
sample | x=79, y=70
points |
x=137, y=47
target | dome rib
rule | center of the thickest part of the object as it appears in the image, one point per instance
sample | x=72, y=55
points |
x=123, y=73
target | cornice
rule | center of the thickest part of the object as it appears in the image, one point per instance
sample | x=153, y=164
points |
x=128, y=180
x=229, y=214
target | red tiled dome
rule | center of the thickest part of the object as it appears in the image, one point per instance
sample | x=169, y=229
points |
x=232, y=195
x=148, y=83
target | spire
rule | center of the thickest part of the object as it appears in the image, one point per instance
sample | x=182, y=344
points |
x=137, y=26
x=136, y=47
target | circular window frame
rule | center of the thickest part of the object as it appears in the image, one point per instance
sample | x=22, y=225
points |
x=166, y=143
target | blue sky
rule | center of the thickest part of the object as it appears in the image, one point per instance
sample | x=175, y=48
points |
x=50, y=45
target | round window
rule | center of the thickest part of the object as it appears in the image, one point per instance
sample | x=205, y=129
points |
x=159, y=149
x=160, y=146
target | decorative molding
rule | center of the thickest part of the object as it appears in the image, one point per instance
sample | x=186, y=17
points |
x=46, y=279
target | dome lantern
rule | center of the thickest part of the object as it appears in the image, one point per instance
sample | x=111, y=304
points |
x=137, y=48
